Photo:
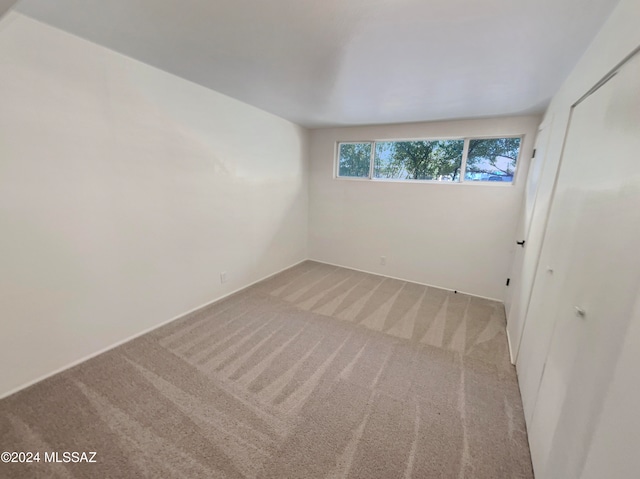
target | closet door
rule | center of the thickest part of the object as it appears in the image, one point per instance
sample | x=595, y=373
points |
x=594, y=250
x=525, y=257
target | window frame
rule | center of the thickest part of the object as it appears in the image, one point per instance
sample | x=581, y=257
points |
x=463, y=163
x=336, y=169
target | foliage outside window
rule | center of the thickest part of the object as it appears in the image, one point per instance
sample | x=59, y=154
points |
x=354, y=160
x=418, y=160
x=483, y=159
x=492, y=159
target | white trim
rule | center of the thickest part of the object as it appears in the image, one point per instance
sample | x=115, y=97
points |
x=353, y=178
x=405, y=279
x=499, y=184
x=137, y=335
x=197, y=308
x=463, y=162
x=548, y=123
x=511, y=358
x=421, y=138
x=495, y=137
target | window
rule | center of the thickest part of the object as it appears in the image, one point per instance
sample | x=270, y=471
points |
x=446, y=160
x=492, y=159
x=354, y=160
x=438, y=160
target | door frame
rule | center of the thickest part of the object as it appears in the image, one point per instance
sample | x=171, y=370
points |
x=517, y=261
x=554, y=327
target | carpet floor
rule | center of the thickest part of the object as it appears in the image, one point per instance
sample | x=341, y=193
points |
x=317, y=372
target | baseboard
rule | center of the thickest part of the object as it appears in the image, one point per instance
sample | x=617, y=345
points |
x=511, y=358
x=164, y=323
x=137, y=335
x=405, y=279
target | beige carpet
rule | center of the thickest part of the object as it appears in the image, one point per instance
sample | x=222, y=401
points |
x=317, y=372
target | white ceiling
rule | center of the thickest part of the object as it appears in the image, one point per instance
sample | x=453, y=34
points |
x=5, y=5
x=344, y=62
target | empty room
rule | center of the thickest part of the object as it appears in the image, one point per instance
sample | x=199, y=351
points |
x=367, y=239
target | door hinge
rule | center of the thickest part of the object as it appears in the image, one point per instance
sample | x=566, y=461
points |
x=508, y=281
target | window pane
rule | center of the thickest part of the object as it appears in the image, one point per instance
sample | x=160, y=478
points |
x=354, y=160
x=492, y=159
x=437, y=160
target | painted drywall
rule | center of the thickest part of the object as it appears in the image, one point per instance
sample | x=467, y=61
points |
x=455, y=236
x=124, y=192
x=618, y=38
x=5, y=5
x=337, y=62
x=613, y=453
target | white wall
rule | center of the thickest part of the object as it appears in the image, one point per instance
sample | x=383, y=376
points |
x=124, y=192
x=613, y=453
x=618, y=37
x=455, y=236
x=5, y=5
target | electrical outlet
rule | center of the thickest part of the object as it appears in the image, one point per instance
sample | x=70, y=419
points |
x=223, y=277
x=383, y=260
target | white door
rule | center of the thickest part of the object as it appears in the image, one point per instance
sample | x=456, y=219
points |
x=593, y=246
x=525, y=257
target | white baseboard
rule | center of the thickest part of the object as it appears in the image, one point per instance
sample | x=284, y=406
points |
x=159, y=325
x=511, y=358
x=136, y=335
x=404, y=279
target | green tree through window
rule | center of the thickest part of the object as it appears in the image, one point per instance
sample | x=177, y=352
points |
x=493, y=156
x=355, y=159
x=488, y=159
x=419, y=160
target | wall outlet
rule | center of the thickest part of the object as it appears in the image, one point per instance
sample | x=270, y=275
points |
x=223, y=277
x=383, y=260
